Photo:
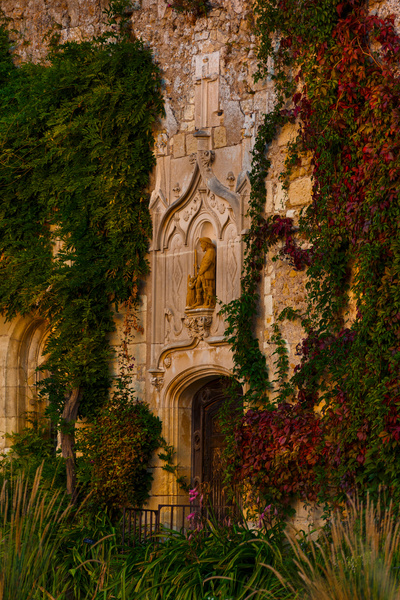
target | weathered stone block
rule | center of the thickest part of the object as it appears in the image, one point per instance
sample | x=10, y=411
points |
x=179, y=145
x=279, y=197
x=202, y=35
x=300, y=191
x=287, y=134
x=219, y=137
x=191, y=144
x=222, y=37
x=188, y=112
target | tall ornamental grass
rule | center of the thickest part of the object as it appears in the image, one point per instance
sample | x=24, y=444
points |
x=356, y=557
x=219, y=563
x=31, y=520
x=49, y=550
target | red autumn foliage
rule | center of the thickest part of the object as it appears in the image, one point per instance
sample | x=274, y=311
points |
x=279, y=451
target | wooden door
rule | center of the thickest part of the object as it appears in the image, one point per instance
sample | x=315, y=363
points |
x=208, y=443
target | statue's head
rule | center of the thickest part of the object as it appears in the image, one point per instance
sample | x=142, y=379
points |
x=205, y=243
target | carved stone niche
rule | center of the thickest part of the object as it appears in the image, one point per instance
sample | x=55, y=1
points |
x=198, y=322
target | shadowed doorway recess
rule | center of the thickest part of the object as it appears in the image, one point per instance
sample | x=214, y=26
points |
x=208, y=442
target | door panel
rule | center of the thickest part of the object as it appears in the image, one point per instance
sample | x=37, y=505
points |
x=208, y=442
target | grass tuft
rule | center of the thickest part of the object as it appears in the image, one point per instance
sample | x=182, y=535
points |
x=357, y=556
x=30, y=519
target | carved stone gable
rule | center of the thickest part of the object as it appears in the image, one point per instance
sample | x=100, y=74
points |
x=198, y=217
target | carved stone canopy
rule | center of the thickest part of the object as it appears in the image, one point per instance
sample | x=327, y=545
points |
x=196, y=251
x=203, y=178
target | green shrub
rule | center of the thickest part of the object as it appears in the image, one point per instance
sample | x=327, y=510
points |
x=117, y=448
x=33, y=447
x=216, y=563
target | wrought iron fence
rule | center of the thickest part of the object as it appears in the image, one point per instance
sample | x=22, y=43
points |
x=141, y=525
x=175, y=516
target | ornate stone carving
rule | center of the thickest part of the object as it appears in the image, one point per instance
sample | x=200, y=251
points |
x=207, y=157
x=214, y=185
x=191, y=291
x=198, y=325
x=207, y=90
x=196, y=439
x=156, y=378
x=170, y=327
x=201, y=287
x=168, y=318
x=231, y=179
x=193, y=158
x=161, y=144
x=249, y=123
x=177, y=190
x=232, y=261
x=192, y=209
x=167, y=362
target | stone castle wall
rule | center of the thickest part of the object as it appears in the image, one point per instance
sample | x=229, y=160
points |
x=208, y=68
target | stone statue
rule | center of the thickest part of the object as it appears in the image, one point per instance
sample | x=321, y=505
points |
x=191, y=291
x=201, y=287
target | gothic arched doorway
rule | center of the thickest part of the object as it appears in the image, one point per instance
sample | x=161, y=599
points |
x=208, y=441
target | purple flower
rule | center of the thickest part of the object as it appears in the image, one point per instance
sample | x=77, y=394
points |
x=193, y=494
x=261, y=517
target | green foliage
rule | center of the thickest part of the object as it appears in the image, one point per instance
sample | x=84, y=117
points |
x=355, y=557
x=76, y=153
x=50, y=550
x=249, y=362
x=220, y=563
x=118, y=447
x=31, y=449
x=90, y=563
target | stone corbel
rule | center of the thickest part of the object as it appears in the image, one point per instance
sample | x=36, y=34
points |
x=205, y=158
x=157, y=378
x=198, y=322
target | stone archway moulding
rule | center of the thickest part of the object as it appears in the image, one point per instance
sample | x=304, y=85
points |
x=22, y=355
x=193, y=377
x=176, y=405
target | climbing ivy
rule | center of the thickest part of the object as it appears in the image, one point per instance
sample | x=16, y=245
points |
x=75, y=157
x=336, y=72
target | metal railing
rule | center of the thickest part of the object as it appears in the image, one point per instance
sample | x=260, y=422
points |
x=141, y=525
x=175, y=516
